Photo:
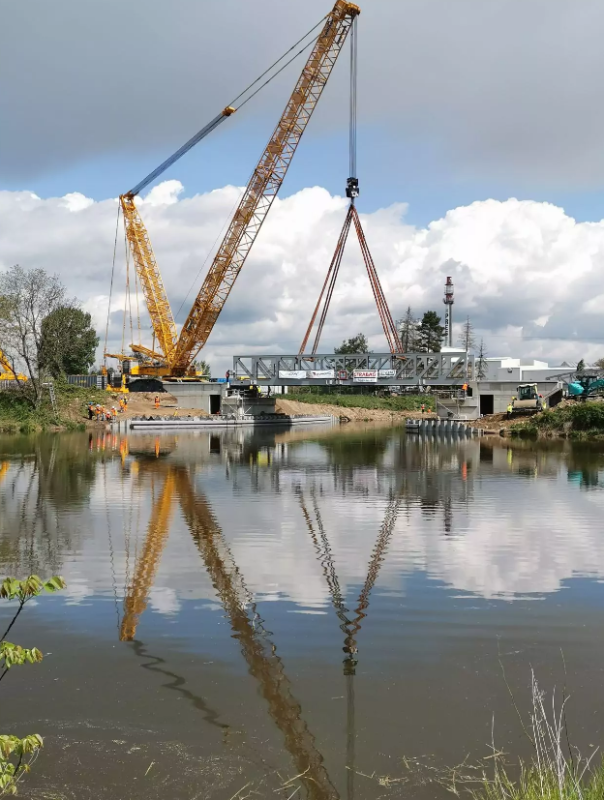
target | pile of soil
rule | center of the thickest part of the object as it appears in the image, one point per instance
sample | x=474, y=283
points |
x=294, y=407
x=143, y=404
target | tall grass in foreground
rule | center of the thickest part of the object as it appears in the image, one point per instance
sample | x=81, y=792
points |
x=557, y=770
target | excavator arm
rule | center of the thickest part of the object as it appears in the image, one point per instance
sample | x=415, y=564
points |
x=263, y=187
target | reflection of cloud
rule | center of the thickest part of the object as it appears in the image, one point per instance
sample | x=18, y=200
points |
x=77, y=590
x=164, y=600
x=509, y=535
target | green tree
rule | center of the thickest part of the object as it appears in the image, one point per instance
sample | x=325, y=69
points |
x=203, y=367
x=408, y=331
x=357, y=344
x=599, y=364
x=581, y=367
x=430, y=333
x=68, y=342
x=17, y=755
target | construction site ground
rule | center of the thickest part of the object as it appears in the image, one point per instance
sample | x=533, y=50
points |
x=143, y=404
x=293, y=408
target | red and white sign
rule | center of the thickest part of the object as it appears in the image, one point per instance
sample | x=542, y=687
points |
x=342, y=375
x=365, y=375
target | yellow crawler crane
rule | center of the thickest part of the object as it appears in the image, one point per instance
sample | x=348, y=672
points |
x=178, y=353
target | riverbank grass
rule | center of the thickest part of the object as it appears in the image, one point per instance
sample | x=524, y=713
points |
x=542, y=783
x=556, y=771
x=577, y=421
x=412, y=402
x=18, y=416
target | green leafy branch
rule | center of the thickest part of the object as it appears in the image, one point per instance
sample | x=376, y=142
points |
x=26, y=590
x=18, y=755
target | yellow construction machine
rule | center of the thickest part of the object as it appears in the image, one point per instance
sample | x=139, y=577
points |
x=6, y=371
x=527, y=400
x=173, y=354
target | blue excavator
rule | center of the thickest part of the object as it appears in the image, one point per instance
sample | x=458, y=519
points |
x=585, y=385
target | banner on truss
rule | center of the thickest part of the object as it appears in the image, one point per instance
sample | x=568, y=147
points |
x=292, y=374
x=365, y=375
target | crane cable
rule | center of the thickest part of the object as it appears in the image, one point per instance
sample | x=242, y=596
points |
x=226, y=112
x=117, y=224
x=352, y=141
x=266, y=71
x=259, y=89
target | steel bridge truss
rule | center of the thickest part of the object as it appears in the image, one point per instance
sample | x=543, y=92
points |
x=411, y=369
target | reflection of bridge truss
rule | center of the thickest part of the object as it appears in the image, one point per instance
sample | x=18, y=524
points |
x=246, y=624
x=411, y=369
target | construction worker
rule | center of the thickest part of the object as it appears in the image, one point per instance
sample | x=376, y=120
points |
x=114, y=412
x=90, y=410
x=423, y=409
x=156, y=402
x=510, y=410
x=121, y=404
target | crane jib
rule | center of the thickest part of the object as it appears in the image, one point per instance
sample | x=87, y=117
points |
x=212, y=125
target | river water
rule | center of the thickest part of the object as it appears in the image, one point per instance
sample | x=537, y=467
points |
x=337, y=603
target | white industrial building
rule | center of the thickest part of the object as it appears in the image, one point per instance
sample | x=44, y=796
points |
x=501, y=377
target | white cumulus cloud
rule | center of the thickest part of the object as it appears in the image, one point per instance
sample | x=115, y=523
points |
x=527, y=274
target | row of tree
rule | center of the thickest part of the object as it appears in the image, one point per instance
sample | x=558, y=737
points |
x=43, y=333
x=423, y=335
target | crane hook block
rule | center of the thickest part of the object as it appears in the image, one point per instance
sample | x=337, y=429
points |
x=228, y=111
x=352, y=188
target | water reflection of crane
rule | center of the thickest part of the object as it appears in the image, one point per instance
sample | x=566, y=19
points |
x=254, y=640
x=350, y=627
x=135, y=601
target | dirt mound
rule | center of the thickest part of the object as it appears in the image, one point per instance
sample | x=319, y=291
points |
x=294, y=407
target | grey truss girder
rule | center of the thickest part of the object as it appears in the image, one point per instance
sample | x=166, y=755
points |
x=410, y=369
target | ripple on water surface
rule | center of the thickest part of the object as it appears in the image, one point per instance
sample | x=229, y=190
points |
x=246, y=605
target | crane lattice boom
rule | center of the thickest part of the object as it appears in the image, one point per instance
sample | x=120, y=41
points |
x=178, y=353
x=150, y=278
x=263, y=186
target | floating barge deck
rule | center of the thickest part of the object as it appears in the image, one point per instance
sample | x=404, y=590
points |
x=220, y=421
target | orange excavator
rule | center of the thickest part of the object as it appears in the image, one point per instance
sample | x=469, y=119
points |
x=175, y=353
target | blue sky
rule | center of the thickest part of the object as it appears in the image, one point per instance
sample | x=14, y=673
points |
x=392, y=169
x=457, y=102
